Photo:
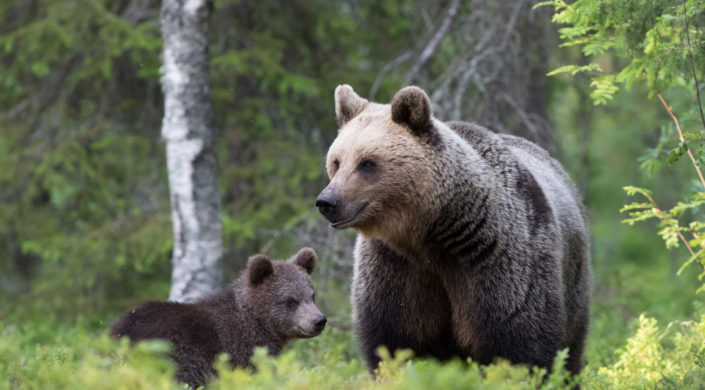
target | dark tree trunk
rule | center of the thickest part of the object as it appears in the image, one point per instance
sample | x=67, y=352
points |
x=188, y=132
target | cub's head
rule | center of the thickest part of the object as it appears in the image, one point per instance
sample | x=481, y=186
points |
x=281, y=294
x=381, y=164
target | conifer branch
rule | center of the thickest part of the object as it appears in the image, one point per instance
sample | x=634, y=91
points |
x=680, y=135
x=692, y=64
x=660, y=211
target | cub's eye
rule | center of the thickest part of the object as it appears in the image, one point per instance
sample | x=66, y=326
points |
x=336, y=165
x=291, y=303
x=367, y=165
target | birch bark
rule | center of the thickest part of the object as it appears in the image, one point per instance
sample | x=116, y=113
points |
x=188, y=133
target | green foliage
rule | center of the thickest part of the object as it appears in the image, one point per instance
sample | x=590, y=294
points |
x=670, y=229
x=654, y=358
x=84, y=192
x=658, y=50
x=273, y=73
x=648, y=36
x=573, y=69
x=46, y=355
x=85, y=226
x=85, y=220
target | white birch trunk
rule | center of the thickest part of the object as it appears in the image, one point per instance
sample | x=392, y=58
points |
x=187, y=130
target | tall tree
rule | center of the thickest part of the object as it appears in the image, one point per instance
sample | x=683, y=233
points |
x=497, y=76
x=484, y=62
x=189, y=134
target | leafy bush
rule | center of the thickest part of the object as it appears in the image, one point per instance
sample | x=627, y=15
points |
x=655, y=358
x=47, y=355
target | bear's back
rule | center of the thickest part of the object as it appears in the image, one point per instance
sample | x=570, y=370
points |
x=559, y=189
x=179, y=323
x=548, y=173
x=189, y=328
x=483, y=139
x=560, y=193
x=554, y=184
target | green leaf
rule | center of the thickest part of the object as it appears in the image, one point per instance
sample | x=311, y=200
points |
x=542, y=4
x=604, y=90
x=632, y=190
x=691, y=260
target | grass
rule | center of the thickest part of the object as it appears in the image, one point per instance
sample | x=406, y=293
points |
x=50, y=355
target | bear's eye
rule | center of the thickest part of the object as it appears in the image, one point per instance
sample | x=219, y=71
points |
x=291, y=303
x=336, y=165
x=367, y=165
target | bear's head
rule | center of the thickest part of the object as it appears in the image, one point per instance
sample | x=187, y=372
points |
x=381, y=165
x=281, y=295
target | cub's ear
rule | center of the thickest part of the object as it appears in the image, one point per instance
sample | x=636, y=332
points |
x=347, y=104
x=306, y=259
x=411, y=107
x=259, y=267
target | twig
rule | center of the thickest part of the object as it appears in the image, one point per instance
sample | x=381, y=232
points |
x=14, y=111
x=658, y=209
x=384, y=70
x=511, y=25
x=692, y=66
x=522, y=115
x=433, y=43
x=486, y=51
x=680, y=134
x=287, y=228
x=684, y=325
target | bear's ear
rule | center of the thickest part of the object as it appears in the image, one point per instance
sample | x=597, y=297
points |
x=259, y=267
x=347, y=104
x=411, y=107
x=306, y=259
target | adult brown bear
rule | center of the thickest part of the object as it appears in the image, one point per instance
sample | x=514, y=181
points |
x=470, y=243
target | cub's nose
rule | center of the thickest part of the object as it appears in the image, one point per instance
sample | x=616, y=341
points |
x=328, y=207
x=320, y=323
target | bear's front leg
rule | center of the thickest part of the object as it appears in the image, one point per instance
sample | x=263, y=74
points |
x=499, y=313
x=398, y=305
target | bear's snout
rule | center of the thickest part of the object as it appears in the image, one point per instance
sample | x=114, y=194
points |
x=309, y=322
x=328, y=205
x=320, y=323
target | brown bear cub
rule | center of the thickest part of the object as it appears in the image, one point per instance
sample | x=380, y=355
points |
x=271, y=303
x=471, y=243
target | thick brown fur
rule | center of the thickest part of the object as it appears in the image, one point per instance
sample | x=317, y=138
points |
x=470, y=243
x=269, y=304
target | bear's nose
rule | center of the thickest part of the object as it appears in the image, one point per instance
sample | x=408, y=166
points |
x=320, y=323
x=327, y=206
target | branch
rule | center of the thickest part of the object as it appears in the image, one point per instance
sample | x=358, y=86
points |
x=275, y=235
x=511, y=24
x=433, y=43
x=394, y=63
x=14, y=111
x=692, y=66
x=659, y=211
x=51, y=89
x=680, y=134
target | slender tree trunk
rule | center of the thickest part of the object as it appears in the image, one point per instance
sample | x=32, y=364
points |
x=584, y=119
x=187, y=130
x=433, y=43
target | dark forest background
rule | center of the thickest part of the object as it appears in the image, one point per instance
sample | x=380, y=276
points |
x=85, y=228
